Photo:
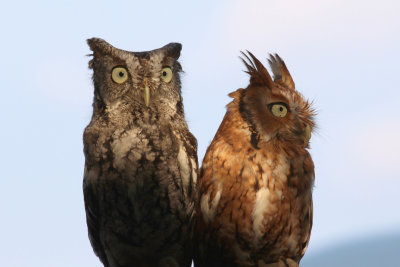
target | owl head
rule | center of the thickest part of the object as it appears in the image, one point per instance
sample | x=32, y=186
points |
x=148, y=79
x=275, y=110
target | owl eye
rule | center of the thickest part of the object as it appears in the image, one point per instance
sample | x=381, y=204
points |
x=166, y=74
x=119, y=75
x=279, y=110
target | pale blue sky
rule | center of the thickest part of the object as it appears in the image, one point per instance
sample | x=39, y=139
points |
x=344, y=55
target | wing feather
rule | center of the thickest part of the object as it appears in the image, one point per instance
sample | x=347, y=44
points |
x=92, y=219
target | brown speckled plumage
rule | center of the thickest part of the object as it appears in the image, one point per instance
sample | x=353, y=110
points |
x=255, y=203
x=141, y=161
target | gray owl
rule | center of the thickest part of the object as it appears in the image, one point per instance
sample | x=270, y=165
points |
x=141, y=160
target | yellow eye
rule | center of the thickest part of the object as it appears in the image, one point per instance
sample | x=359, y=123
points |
x=166, y=74
x=279, y=110
x=119, y=75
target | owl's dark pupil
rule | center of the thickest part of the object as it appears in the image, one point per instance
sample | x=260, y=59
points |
x=164, y=73
x=121, y=74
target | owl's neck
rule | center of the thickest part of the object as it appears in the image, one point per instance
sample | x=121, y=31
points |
x=156, y=114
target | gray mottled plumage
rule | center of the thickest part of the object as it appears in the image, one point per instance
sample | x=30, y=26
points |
x=141, y=160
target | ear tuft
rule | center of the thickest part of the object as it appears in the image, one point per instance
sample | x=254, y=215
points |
x=173, y=50
x=280, y=71
x=258, y=73
x=98, y=45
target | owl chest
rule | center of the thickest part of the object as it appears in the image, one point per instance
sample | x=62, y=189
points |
x=130, y=161
x=137, y=149
x=260, y=208
x=133, y=173
x=129, y=150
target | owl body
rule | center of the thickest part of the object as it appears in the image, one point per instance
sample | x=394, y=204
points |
x=256, y=178
x=141, y=161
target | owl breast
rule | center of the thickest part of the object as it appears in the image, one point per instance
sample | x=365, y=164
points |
x=259, y=200
x=257, y=175
x=144, y=195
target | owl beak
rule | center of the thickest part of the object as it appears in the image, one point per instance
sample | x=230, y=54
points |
x=146, y=93
x=307, y=135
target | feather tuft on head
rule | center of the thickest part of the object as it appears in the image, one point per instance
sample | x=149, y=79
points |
x=280, y=71
x=258, y=73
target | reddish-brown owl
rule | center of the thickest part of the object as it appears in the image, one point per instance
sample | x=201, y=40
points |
x=257, y=176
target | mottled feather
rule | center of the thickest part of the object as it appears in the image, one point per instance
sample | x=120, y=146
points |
x=255, y=201
x=140, y=181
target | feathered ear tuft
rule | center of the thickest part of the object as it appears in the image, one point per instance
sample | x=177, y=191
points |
x=280, y=71
x=173, y=50
x=258, y=73
x=98, y=45
x=101, y=48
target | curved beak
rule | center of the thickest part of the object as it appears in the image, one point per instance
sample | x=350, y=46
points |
x=146, y=93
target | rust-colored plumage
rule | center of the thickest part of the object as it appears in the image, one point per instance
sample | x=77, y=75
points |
x=256, y=179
